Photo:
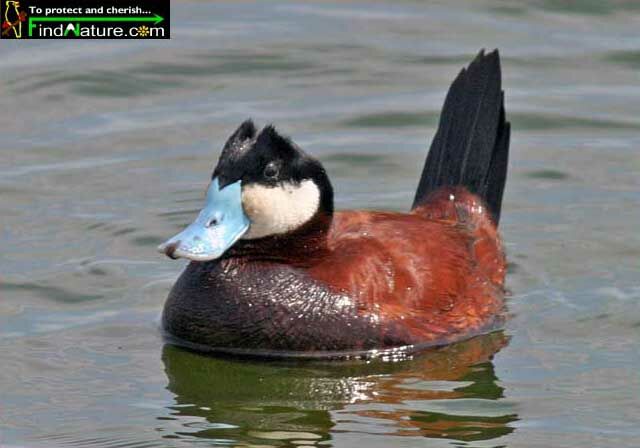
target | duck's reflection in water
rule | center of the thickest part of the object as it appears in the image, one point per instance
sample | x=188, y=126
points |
x=446, y=393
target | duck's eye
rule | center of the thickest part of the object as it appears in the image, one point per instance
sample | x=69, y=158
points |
x=271, y=170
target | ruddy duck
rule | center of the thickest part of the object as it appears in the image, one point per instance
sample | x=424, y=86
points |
x=276, y=271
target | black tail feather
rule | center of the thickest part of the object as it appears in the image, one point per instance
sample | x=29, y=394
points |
x=471, y=146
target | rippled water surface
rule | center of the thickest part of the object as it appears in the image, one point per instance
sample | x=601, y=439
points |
x=106, y=148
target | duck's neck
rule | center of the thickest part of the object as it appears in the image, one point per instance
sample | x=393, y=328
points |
x=299, y=247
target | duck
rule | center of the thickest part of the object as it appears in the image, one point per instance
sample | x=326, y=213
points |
x=275, y=270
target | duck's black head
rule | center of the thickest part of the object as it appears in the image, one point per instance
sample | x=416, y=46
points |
x=263, y=185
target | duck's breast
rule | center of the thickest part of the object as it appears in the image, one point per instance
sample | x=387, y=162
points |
x=267, y=306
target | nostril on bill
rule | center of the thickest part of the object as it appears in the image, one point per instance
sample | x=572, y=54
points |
x=170, y=250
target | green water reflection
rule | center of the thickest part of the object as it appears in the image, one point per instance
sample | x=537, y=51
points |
x=448, y=393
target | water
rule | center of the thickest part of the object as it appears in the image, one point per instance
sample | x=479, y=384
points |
x=106, y=148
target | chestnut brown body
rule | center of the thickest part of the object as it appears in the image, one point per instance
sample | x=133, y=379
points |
x=367, y=280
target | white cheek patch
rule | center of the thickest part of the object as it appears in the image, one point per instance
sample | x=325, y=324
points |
x=280, y=209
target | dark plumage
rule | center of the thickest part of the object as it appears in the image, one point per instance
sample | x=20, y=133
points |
x=471, y=146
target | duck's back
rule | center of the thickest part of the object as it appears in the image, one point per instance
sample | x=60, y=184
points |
x=437, y=271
